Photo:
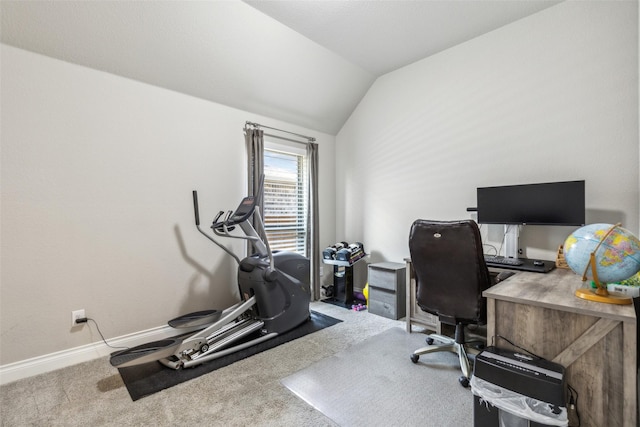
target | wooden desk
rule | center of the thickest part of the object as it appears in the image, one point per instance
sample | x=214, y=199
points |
x=595, y=342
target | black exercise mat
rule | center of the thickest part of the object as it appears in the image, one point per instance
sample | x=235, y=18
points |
x=144, y=380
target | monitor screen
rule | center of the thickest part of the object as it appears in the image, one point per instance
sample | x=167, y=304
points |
x=554, y=203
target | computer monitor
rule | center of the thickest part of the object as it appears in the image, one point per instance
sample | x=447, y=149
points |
x=553, y=203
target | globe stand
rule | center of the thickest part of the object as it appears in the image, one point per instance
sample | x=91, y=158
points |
x=600, y=294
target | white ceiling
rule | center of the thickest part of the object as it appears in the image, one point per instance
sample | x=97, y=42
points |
x=382, y=36
x=307, y=63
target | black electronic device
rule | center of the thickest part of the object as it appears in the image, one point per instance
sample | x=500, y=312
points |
x=500, y=260
x=553, y=203
x=522, y=373
x=520, y=264
x=540, y=382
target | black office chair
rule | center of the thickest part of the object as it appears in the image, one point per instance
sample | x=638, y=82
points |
x=450, y=275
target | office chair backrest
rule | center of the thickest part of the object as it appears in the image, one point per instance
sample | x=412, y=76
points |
x=450, y=270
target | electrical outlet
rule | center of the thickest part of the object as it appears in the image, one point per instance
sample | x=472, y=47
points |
x=77, y=314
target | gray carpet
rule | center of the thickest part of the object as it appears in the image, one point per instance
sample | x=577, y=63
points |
x=374, y=383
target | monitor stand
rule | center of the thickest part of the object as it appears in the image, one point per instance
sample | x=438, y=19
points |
x=511, y=235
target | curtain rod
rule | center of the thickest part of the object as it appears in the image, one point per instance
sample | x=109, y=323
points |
x=256, y=125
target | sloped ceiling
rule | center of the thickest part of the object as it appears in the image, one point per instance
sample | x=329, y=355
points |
x=308, y=63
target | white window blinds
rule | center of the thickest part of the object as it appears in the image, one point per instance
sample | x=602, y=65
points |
x=285, y=200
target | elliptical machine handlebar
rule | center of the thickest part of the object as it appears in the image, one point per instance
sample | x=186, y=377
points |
x=197, y=216
x=195, y=208
x=218, y=216
x=241, y=216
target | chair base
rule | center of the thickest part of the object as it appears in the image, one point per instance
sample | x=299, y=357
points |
x=450, y=344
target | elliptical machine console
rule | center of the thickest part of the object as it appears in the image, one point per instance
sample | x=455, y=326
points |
x=274, y=293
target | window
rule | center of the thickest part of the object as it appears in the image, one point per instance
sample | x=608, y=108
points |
x=285, y=198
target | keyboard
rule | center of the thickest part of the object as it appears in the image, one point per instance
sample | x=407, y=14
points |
x=502, y=260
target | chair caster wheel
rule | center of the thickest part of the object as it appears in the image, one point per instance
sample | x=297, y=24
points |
x=414, y=358
x=464, y=381
x=429, y=340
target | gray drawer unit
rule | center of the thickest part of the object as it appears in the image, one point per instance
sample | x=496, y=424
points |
x=387, y=290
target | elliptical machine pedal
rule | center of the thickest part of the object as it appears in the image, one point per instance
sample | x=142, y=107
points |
x=196, y=319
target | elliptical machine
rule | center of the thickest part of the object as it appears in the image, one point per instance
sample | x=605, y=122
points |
x=274, y=292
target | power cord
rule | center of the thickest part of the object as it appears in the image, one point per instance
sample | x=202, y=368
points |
x=87, y=319
x=572, y=407
x=497, y=252
x=504, y=235
x=521, y=348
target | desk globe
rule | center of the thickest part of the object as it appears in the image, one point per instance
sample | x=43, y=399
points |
x=605, y=253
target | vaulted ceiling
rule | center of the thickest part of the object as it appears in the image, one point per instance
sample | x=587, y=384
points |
x=305, y=62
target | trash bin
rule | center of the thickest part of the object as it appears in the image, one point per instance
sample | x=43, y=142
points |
x=511, y=389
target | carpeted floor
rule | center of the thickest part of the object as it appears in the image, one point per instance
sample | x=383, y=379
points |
x=364, y=355
x=374, y=383
x=144, y=380
x=247, y=392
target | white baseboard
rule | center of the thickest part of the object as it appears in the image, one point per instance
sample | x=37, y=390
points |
x=61, y=359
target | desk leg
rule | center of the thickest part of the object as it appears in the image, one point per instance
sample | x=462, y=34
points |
x=630, y=404
x=491, y=321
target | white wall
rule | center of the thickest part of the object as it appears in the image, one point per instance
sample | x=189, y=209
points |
x=97, y=174
x=551, y=97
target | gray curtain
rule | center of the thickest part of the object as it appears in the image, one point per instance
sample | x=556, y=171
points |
x=313, y=242
x=254, y=139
